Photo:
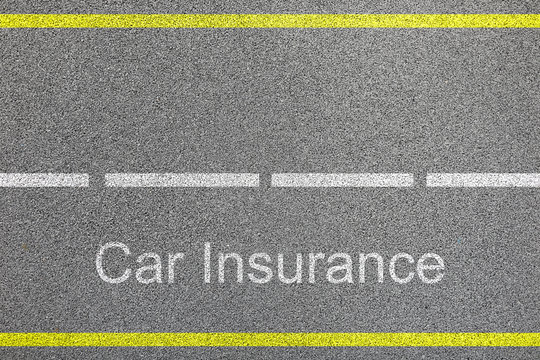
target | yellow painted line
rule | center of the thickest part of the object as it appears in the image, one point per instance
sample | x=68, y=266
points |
x=269, y=20
x=269, y=339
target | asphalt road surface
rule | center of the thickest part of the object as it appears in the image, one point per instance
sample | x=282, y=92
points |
x=264, y=102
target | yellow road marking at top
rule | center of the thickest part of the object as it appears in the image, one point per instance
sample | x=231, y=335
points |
x=269, y=20
x=269, y=339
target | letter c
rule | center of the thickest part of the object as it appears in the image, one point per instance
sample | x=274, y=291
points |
x=392, y=268
x=99, y=263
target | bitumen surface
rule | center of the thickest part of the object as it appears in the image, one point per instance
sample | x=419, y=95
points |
x=269, y=101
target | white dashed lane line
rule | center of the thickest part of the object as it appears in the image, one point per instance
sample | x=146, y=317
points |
x=182, y=180
x=445, y=180
x=482, y=180
x=43, y=180
x=342, y=180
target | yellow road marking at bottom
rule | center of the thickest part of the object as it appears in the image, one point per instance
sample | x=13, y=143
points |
x=269, y=339
x=269, y=20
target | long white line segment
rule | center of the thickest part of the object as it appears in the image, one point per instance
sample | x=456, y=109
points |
x=182, y=180
x=482, y=180
x=43, y=180
x=342, y=180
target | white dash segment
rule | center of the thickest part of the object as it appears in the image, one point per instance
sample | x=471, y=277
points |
x=43, y=180
x=482, y=180
x=182, y=180
x=342, y=180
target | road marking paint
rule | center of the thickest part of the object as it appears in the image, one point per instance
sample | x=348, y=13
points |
x=270, y=339
x=269, y=20
x=43, y=180
x=482, y=180
x=342, y=180
x=182, y=180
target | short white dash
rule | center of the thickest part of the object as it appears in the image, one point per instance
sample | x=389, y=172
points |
x=342, y=180
x=482, y=180
x=43, y=180
x=182, y=180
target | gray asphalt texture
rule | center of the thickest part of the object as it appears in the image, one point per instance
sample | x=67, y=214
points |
x=267, y=101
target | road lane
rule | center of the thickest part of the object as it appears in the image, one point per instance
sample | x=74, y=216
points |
x=270, y=102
